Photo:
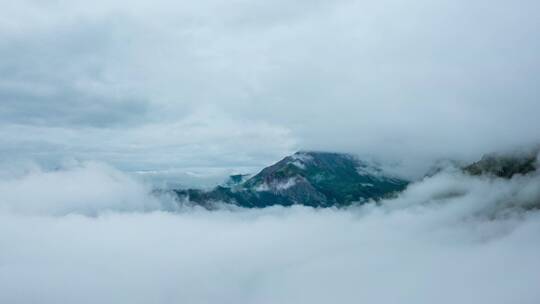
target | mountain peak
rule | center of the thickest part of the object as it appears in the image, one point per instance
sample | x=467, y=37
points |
x=310, y=178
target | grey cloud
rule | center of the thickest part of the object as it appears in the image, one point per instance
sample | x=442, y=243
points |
x=188, y=143
x=58, y=77
x=409, y=83
x=69, y=107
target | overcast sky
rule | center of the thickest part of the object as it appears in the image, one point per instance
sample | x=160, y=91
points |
x=92, y=91
x=237, y=84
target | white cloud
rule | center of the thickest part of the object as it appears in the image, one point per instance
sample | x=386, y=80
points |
x=88, y=189
x=276, y=186
x=440, y=241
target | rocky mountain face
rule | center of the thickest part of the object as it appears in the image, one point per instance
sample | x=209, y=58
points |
x=318, y=179
x=504, y=165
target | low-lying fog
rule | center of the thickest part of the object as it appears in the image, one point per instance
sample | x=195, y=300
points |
x=91, y=234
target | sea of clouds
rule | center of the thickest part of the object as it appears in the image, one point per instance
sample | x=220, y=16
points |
x=87, y=233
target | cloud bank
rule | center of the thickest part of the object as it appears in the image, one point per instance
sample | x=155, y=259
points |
x=89, y=233
x=243, y=83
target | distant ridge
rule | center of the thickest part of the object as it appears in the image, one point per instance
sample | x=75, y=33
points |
x=505, y=165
